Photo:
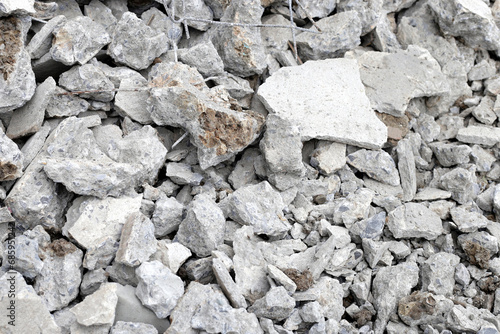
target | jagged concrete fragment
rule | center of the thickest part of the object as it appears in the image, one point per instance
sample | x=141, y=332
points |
x=438, y=273
x=64, y=104
x=339, y=33
x=421, y=308
x=376, y=164
x=162, y=23
x=193, y=8
x=392, y=79
x=29, y=118
x=41, y=43
x=314, y=8
x=167, y=215
x=482, y=158
x=276, y=304
x=78, y=41
x=171, y=254
x=281, y=278
x=241, y=48
x=18, y=7
x=91, y=220
x=481, y=135
x=204, y=58
x=158, y=288
x=182, y=173
x=60, y=278
x=101, y=14
x=88, y=78
x=30, y=315
x=246, y=169
x=384, y=36
x=203, y=228
x=470, y=19
x=25, y=259
x=328, y=157
x=460, y=182
x=282, y=150
x=131, y=103
x=451, y=154
x=370, y=228
x=334, y=97
x=92, y=280
x=468, y=218
x=227, y=284
x=122, y=327
x=354, y=207
x=414, y=220
x=389, y=286
x=98, y=308
x=259, y=206
x=17, y=80
x=185, y=101
x=137, y=241
x=11, y=159
x=407, y=170
x=135, y=44
x=484, y=111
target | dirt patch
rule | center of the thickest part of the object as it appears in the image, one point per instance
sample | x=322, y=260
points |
x=477, y=254
x=416, y=305
x=61, y=248
x=8, y=171
x=10, y=45
x=397, y=127
x=489, y=284
x=362, y=317
x=303, y=280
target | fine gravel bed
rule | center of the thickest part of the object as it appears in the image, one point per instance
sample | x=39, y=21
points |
x=218, y=166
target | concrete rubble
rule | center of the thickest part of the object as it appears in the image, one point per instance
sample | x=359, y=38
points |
x=212, y=166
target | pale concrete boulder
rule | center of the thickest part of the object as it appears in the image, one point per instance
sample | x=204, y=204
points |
x=11, y=161
x=438, y=273
x=41, y=43
x=481, y=135
x=414, y=220
x=88, y=77
x=376, y=164
x=98, y=308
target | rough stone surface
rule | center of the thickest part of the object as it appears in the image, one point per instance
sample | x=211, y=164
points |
x=486, y=136
x=167, y=215
x=122, y=327
x=137, y=241
x=88, y=78
x=376, y=164
x=11, y=160
x=413, y=220
x=276, y=304
x=98, y=308
x=438, y=273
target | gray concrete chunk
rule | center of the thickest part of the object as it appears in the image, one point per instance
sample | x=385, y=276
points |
x=413, y=220
x=11, y=159
x=376, y=164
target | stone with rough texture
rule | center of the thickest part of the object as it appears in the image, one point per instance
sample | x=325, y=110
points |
x=26, y=260
x=227, y=284
x=167, y=215
x=316, y=8
x=460, y=182
x=11, y=159
x=204, y=58
x=135, y=44
x=29, y=118
x=78, y=41
x=42, y=41
x=63, y=104
x=421, y=308
x=438, y=273
x=193, y=8
x=335, y=97
x=97, y=308
x=451, y=154
x=328, y=157
x=158, y=288
x=484, y=111
x=101, y=14
x=171, y=254
x=413, y=220
x=376, y=164
x=131, y=103
x=468, y=218
x=137, y=241
x=88, y=78
x=122, y=327
x=92, y=280
x=18, y=7
x=486, y=136
x=407, y=170
x=276, y=304
x=182, y=173
x=162, y=23
x=60, y=278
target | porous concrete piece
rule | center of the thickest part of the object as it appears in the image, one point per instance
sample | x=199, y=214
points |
x=167, y=215
x=483, y=70
x=483, y=159
x=354, y=207
x=59, y=281
x=389, y=286
x=282, y=150
x=34, y=144
x=334, y=97
x=171, y=254
x=259, y=206
x=92, y=280
x=25, y=259
x=460, y=182
x=185, y=101
x=276, y=304
x=340, y=33
x=131, y=103
x=122, y=327
x=328, y=157
x=470, y=19
x=424, y=308
x=182, y=173
x=468, y=218
x=162, y=23
x=315, y=8
x=328, y=292
x=481, y=135
x=11, y=160
x=29, y=118
x=385, y=39
x=32, y=314
x=101, y=14
x=64, y=104
x=158, y=288
x=204, y=58
x=90, y=220
x=97, y=308
x=193, y=8
x=203, y=228
x=378, y=165
x=431, y=194
x=470, y=318
x=246, y=169
x=370, y=228
x=407, y=170
x=101, y=253
x=479, y=247
x=88, y=78
x=78, y=41
x=484, y=111
x=438, y=273
x=18, y=7
x=41, y=43
x=451, y=154
x=137, y=241
x=414, y=220
x=135, y=44
x=392, y=79
x=17, y=82
x=225, y=281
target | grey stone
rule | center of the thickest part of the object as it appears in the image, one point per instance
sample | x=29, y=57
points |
x=482, y=238
x=246, y=169
x=374, y=251
x=157, y=20
x=462, y=275
x=482, y=158
x=276, y=304
x=64, y=104
x=484, y=111
x=41, y=43
x=482, y=70
x=196, y=9
x=354, y=207
x=100, y=254
x=199, y=270
x=407, y=171
x=5, y=216
x=121, y=327
x=451, y=154
x=203, y=228
x=316, y=8
x=280, y=277
x=23, y=7
x=241, y=48
x=428, y=128
x=135, y=44
x=438, y=273
x=78, y=41
x=468, y=218
x=328, y=157
x=468, y=318
x=340, y=33
x=328, y=293
x=422, y=308
x=88, y=78
x=17, y=84
x=11, y=160
x=481, y=135
x=413, y=220
x=227, y=284
x=385, y=39
x=259, y=206
x=131, y=103
x=98, y=308
x=32, y=316
x=275, y=39
x=23, y=257
x=217, y=131
x=158, y=288
x=450, y=125
x=182, y=173
x=330, y=103
x=460, y=182
x=389, y=286
x=311, y=312
x=101, y=14
x=29, y=118
x=167, y=215
x=376, y=164
x=204, y=58
x=171, y=254
x=370, y=228
x=137, y=241
x=471, y=20
x=237, y=87
x=60, y=277
x=92, y=280
x=431, y=194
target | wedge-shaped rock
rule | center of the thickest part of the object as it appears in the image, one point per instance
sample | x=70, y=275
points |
x=135, y=44
x=11, y=159
x=98, y=308
x=333, y=95
x=482, y=135
x=182, y=99
x=131, y=103
x=25, y=260
x=196, y=9
x=88, y=78
x=42, y=41
x=438, y=273
x=468, y=218
x=276, y=304
x=413, y=220
x=101, y=14
x=393, y=79
x=137, y=242
x=78, y=41
x=167, y=215
x=407, y=170
x=376, y=164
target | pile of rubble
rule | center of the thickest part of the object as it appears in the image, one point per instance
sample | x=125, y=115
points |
x=176, y=167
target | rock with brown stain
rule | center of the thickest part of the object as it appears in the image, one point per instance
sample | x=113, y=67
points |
x=424, y=308
x=11, y=159
x=217, y=125
x=303, y=280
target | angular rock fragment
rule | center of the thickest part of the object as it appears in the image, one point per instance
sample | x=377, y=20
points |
x=182, y=173
x=78, y=41
x=92, y=280
x=11, y=159
x=204, y=58
x=246, y=169
x=407, y=170
x=171, y=254
x=438, y=273
x=88, y=78
x=340, y=33
x=413, y=220
x=41, y=43
x=329, y=107
x=23, y=7
x=460, y=182
x=484, y=111
x=122, y=327
x=101, y=14
x=376, y=164
x=276, y=304
x=451, y=154
x=424, y=308
x=328, y=157
x=167, y=215
x=184, y=100
x=98, y=308
x=64, y=104
x=227, y=284
x=162, y=23
x=135, y=44
x=158, y=288
x=29, y=118
x=481, y=135
x=131, y=103
x=196, y=9
x=25, y=259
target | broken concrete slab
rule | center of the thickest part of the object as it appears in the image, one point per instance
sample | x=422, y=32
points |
x=98, y=308
x=41, y=43
x=11, y=160
x=90, y=80
x=414, y=220
x=378, y=165
x=65, y=104
x=129, y=100
x=330, y=107
x=482, y=135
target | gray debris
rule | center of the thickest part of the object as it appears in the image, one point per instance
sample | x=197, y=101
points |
x=182, y=173
x=25, y=260
x=484, y=111
x=460, y=182
x=246, y=169
x=167, y=215
x=101, y=14
x=328, y=157
x=92, y=280
x=436, y=308
x=171, y=254
x=407, y=170
x=227, y=284
x=204, y=58
x=482, y=158
x=23, y=7
x=63, y=104
x=11, y=160
x=88, y=78
x=157, y=20
x=413, y=220
x=481, y=135
x=194, y=9
x=276, y=304
x=370, y=228
x=121, y=327
x=377, y=164
x=41, y=43
x=438, y=273
x=451, y=154
x=98, y=308
x=129, y=101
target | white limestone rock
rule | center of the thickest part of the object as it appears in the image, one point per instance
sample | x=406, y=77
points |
x=167, y=216
x=171, y=254
x=182, y=173
x=438, y=273
x=328, y=157
x=378, y=165
x=468, y=218
x=98, y=308
x=414, y=220
x=204, y=58
x=18, y=7
x=334, y=97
